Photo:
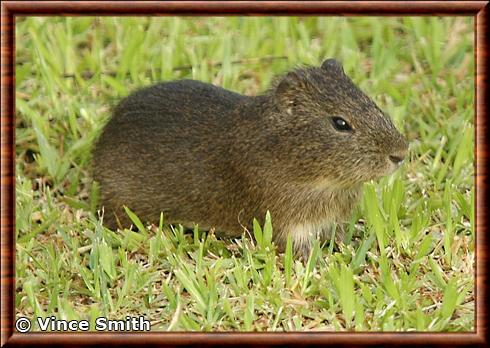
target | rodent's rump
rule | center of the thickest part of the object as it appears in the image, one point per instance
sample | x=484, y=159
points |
x=204, y=155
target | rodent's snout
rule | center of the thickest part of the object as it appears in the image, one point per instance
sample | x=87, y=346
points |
x=398, y=155
x=397, y=158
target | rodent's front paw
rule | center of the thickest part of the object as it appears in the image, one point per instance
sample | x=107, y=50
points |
x=303, y=252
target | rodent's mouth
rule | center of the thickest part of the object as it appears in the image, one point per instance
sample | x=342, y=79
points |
x=375, y=168
x=384, y=165
x=392, y=167
x=387, y=169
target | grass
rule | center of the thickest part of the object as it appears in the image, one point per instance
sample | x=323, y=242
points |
x=407, y=260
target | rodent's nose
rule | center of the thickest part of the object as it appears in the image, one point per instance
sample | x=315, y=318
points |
x=397, y=158
x=399, y=150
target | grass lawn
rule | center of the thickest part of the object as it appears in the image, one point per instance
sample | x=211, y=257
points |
x=407, y=260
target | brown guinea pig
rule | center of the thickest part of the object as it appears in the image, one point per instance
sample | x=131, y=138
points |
x=208, y=156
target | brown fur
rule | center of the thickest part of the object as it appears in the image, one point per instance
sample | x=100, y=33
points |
x=202, y=154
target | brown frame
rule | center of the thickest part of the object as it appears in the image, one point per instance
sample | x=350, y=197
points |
x=11, y=9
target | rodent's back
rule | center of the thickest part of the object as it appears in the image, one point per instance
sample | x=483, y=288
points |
x=174, y=105
x=168, y=117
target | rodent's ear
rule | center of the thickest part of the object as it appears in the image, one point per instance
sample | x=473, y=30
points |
x=286, y=90
x=333, y=65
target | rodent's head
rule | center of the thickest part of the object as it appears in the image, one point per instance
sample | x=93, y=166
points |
x=334, y=131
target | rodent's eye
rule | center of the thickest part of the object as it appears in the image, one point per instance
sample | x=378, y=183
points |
x=341, y=125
